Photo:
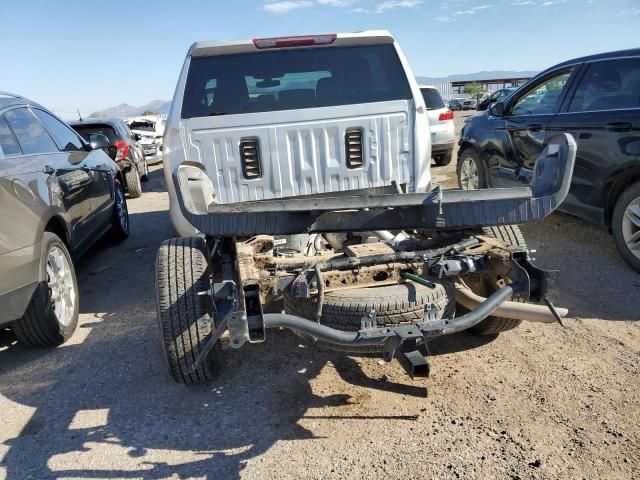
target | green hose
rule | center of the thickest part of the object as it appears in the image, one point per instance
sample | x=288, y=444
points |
x=417, y=279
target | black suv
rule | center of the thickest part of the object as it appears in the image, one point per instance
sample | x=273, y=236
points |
x=597, y=100
x=123, y=149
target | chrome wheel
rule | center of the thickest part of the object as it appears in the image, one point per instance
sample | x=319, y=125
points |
x=631, y=227
x=121, y=208
x=469, y=179
x=61, y=289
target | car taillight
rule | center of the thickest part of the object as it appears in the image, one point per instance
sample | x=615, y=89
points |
x=444, y=116
x=122, y=150
x=286, y=42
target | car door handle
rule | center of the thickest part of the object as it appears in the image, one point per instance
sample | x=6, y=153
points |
x=534, y=127
x=49, y=170
x=619, y=126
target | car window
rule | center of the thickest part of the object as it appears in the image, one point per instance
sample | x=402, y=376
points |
x=543, y=98
x=64, y=136
x=608, y=85
x=8, y=141
x=31, y=135
x=432, y=98
x=108, y=131
x=293, y=79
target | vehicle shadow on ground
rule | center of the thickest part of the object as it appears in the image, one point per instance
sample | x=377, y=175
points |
x=594, y=280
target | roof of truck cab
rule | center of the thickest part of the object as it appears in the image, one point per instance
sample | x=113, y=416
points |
x=370, y=37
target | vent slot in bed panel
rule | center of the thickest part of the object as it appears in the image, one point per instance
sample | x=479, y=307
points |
x=354, y=148
x=250, y=156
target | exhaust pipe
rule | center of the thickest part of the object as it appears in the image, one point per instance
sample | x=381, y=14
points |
x=509, y=309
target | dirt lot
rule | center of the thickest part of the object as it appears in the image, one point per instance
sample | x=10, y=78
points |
x=536, y=402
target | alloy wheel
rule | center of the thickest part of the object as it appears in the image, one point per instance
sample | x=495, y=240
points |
x=469, y=179
x=60, y=282
x=631, y=227
x=121, y=207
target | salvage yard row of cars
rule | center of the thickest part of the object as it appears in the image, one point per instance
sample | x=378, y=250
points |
x=305, y=228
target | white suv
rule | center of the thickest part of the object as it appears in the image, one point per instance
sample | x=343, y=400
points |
x=443, y=137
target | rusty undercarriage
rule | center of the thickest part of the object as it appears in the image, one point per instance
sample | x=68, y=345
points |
x=325, y=269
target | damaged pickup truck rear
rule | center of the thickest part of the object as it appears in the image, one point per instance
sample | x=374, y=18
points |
x=298, y=170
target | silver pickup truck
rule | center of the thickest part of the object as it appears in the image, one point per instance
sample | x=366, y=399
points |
x=298, y=174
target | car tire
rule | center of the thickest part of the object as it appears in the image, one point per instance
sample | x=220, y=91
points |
x=470, y=167
x=120, y=215
x=491, y=325
x=145, y=171
x=444, y=158
x=52, y=314
x=185, y=317
x=134, y=187
x=402, y=303
x=625, y=224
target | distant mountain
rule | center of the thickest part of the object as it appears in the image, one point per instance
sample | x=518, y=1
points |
x=486, y=75
x=126, y=110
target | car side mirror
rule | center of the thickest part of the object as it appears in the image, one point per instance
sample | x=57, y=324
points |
x=497, y=109
x=137, y=137
x=98, y=141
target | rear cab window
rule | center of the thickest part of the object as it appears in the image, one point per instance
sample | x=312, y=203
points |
x=293, y=79
x=432, y=98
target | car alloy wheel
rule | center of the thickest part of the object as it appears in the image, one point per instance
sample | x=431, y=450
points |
x=121, y=207
x=631, y=227
x=60, y=282
x=469, y=178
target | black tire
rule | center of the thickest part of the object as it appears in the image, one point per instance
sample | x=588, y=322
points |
x=134, y=186
x=40, y=326
x=145, y=171
x=184, y=315
x=470, y=154
x=629, y=196
x=398, y=304
x=493, y=325
x=119, y=224
x=444, y=158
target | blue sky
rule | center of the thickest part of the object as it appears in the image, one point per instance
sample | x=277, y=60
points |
x=92, y=55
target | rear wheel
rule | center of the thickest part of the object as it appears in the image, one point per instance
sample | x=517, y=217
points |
x=512, y=235
x=134, y=187
x=626, y=225
x=185, y=315
x=444, y=158
x=145, y=170
x=52, y=315
x=120, y=215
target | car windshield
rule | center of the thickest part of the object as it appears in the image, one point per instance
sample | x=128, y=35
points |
x=293, y=79
x=106, y=130
x=432, y=98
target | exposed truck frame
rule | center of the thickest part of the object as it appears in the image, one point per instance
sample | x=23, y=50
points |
x=243, y=277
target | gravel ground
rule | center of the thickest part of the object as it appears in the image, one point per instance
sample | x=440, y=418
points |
x=537, y=402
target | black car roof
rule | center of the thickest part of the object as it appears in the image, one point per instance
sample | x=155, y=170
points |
x=97, y=121
x=634, y=52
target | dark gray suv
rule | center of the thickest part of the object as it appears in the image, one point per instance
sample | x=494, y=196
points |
x=58, y=195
